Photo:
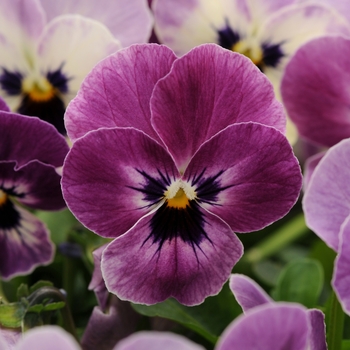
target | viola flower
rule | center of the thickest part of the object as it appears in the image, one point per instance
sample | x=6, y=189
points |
x=30, y=152
x=170, y=156
x=326, y=205
x=43, y=63
x=315, y=90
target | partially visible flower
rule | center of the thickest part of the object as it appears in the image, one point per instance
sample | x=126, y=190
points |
x=30, y=152
x=316, y=90
x=43, y=63
x=327, y=206
x=43, y=338
x=130, y=21
x=169, y=157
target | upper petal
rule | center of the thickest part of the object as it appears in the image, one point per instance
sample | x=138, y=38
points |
x=208, y=89
x=326, y=203
x=108, y=177
x=268, y=327
x=315, y=90
x=118, y=90
x=23, y=139
x=251, y=178
x=129, y=21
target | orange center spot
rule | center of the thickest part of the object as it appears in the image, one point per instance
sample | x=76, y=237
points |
x=179, y=201
x=39, y=90
x=3, y=198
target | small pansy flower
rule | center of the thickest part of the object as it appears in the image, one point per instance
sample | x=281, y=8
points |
x=170, y=157
x=30, y=152
x=326, y=206
x=43, y=63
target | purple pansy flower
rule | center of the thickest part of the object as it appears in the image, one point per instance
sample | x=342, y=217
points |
x=30, y=152
x=43, y=63
x=315, y=90
x=169, y=157
x=250, y=295
x=327, y=206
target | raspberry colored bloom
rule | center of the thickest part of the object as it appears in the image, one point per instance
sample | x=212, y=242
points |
x=171, y=157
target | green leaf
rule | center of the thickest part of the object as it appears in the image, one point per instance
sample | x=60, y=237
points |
x=35, y=308
x=301, y=281
x=208, y=319
x=54, y=306
x=345, y=345
x=11, y=315
x=39, y=285
x=22, y=291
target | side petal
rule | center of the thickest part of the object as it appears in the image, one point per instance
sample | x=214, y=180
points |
x=76, y=44
x=113, y=177
x=24, y=246
x=326, y=202
x=23, y=139
x=207, y=90
x=36, y=185
x=341, y=275
x=47, y=337
x=315, y=90
x=118, y=90
x=317, y=330
x=247, y=292
x=251, y=178
x=129, y=21
x=268, y=327
x=141, y=269
x=156, y=341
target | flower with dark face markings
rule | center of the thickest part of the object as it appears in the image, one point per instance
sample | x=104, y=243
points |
x=170, y=156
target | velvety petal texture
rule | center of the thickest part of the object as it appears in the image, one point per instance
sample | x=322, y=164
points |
x=315, y=90
x=268, y=327
x=157, y=341
x=317, y=338
x=326, y=202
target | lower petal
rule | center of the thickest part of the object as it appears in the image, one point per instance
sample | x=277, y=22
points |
x=142, y=271
x=24, y=246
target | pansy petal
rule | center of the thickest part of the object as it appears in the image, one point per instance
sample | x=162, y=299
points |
x=118, y=90
x=24, y=242
x=129, y=21
x=310, y=166
x=207, y=90
x=144, y=267
x=36, y=185
x=326, y=202
x=315, y=90
x=156, y=341
x=317, y=330
x=25, y=138
x=247, y=292
x=268, y=327
x=47, y=337
x=108, y=177
x=251, y=176
x=3, y=106
x=67, y=43
x=341, y=277
x=9, y=337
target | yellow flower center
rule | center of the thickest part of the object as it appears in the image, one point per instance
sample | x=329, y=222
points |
x=39, y=89
x=3, y=197
x=179, y=194
x=249, y=48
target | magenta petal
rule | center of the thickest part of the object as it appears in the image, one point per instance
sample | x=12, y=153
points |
x=145, y=271
x=208, y=89
x=104, y=177
x=156, y=341
x=268, y=327
x=247, y=292
x=326, y=202
x=317, y=330
x=118, y=90
x=257, y=177
x=24, y=246
x=25, y=138
x=310, y=166
x=341, y=275
x=3, y=106
x=315, y=90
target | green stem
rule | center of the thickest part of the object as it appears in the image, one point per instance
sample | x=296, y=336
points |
x=2, y=294
x=54, y=294
x=288, y=233
x=334, y=323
